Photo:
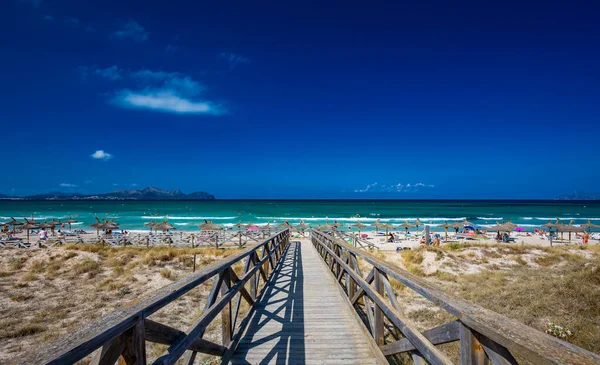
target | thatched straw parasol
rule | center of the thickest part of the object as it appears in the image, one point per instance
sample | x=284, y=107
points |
x=457, y=226
x=14, y=223
x=209, y=226
x=336, y=225
x=267, y=227
x=97, y=226
x=164, y=226
x=110, y=225
x=589, y=225
x=445, y=226
x=406, y=225
x=570, y=228
x=417, y=224
x=151, y=224
x=377, y=225
x=359, y=226
x=302, y=226
x=285, y=224
x=387, y=227
x=28, y=226
x=70, y=221
x=45, y=225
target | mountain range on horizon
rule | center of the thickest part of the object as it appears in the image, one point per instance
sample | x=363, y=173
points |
x=148, y=193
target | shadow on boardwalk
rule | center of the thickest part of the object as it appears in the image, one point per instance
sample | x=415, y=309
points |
x=276, y=331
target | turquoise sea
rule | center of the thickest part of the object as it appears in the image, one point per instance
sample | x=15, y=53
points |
x=186, y=215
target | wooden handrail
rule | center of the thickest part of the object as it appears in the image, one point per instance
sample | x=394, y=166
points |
x=124, y=331
x=483, y=334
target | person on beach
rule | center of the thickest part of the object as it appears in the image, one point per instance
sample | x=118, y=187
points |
x=43, y=234
x=586, y=238
x=436, y=240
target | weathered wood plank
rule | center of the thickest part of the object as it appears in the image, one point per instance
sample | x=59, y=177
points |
x=439, y=335
x=471, y=351
x=166, y=335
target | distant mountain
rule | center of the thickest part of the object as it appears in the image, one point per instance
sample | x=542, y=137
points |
x=149, y=193
x=579, y=195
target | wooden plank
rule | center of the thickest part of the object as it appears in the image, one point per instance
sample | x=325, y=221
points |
x=471, y=351
x=439, y=335
x=134, y=352
x=498, y=354
x=166, y=335
x=109, y=353
x=378, y=324
x=226, y=315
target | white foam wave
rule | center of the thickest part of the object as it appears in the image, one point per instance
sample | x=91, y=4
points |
x=567, y=218
x=185, y=218
x=527, y=218
x=343, y=219
x=181, y=224
x=490, y=218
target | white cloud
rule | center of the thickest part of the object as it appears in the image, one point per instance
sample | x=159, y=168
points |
x=101, y=155
x=165, y=101
x=183, y=84
x=133, y=30
x=393, y=188
x=234, y=59
x=67, y=185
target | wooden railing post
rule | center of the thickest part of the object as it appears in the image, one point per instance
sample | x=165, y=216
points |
x=252, y=280
x=135, y=344
x=226, y=330
x=471, y=351
x=378, y=327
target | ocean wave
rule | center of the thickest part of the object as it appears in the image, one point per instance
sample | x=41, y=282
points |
x=567, y=218
x=185, y=218
x=490, y=218
x=354, y=219
x=527, y=218
x=181, y=224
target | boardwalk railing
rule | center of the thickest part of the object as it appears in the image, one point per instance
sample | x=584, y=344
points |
x=124, y=332
x=485, y=336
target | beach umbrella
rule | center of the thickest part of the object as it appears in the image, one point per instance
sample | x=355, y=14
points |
x=97, y=226
x=151, y=224
x=377, y=225
x=14, y=223
x=406, y=225
x=387, y=226
x=510, y=225
x=70, y=221
x=164, y=226
x=251, y=227
x=589, y=225
x=285, y=224
x=325, y=227
x=110, y=225
x=266, y=227
x=302, y=227
x=45, y=225
x=209, y=226
x=570, y=228
x=457, y=226
x=359, y=226
x=465, y=223
x=336, y=225
x=445, y=226
x=417, y=224
x=28, y=226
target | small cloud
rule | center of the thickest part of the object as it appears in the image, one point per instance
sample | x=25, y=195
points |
x=394, y=188
x=101, y=155
x=165, y=101
x=132, y=30
x=48, y=17
x=233, y=59
x=67, y=185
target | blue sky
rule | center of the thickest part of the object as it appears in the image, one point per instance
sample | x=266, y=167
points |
x=301, y=99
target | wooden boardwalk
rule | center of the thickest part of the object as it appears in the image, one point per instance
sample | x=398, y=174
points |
x=302, y=318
